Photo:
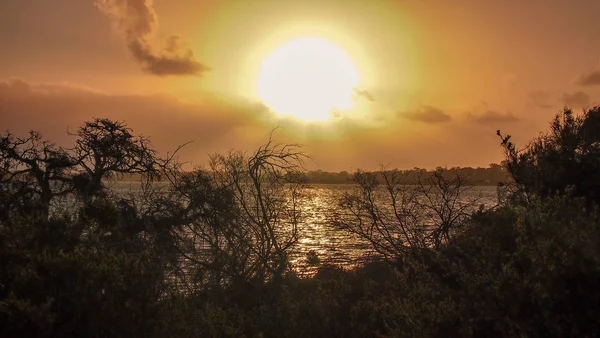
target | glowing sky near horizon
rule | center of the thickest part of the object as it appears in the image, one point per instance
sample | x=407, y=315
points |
x=431, y=80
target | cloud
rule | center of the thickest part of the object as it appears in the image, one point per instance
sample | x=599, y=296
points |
x=492, y=116
x=362, y=93
x=577, y=99
x=216, y=124
x=137, y=20
x=590, y=79
x=541, y=98
x=18, y=88
x=427, y=114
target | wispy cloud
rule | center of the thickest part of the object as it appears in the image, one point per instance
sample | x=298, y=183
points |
x=137, y=21
x=541, y=98
x=576, y=99
x=591, y=78
x=427, y=114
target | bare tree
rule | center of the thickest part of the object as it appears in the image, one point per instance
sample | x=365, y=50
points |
x=446, y=203
x=265, y=188
x=239, y=217
x=394, y=218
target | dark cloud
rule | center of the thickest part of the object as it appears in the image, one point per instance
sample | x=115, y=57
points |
x=590, y=79
x=576, y=100
x=427, y=114
x=541, y=98
x=491, y=116
x=137, y=20
x=54, y=108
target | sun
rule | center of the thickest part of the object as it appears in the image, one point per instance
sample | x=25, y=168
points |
x=307, y=78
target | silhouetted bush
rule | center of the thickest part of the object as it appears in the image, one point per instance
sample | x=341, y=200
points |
x=205, y=252
x=565, y=157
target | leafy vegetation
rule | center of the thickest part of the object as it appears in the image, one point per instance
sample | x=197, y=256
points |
x=206, y=253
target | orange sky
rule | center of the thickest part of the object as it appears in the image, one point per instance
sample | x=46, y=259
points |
x=441, y=76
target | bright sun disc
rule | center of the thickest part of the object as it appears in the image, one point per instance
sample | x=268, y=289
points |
x=307, y=78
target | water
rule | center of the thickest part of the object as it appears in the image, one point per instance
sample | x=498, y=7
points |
x=334, y=246
x=317, y=203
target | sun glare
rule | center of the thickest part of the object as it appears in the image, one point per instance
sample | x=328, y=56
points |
x=307, y=78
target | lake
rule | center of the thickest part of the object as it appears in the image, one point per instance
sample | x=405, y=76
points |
x=333, y=246
x=318, y=202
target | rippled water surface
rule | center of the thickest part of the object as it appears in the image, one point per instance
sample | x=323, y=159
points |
x=332, y=245
x=318, y=202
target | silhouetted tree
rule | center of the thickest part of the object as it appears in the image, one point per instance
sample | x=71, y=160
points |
x=105, y=148
x=567, y=156
x=66, y=267
x=395, y=218
x=33, y=172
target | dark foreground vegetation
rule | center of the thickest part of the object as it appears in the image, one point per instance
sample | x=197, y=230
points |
x=207, y=254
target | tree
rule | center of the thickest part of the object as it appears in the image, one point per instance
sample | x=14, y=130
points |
x=237, y=220
x=68, y=265
x=105, y=148
x=565, y=157
x=395, y=218
x=32, y=172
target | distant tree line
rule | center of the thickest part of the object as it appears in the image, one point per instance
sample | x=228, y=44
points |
x=494, y=174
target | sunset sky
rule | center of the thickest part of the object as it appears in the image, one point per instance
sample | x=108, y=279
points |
x=427, y=83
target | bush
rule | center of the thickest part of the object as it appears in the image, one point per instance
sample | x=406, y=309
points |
x=208, y=256
x=565, y=157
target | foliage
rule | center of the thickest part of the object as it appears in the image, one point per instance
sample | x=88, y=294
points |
x=205, y=252
x=71, y=266
x=565, y=157
x=518, y=272
x=104, y=148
